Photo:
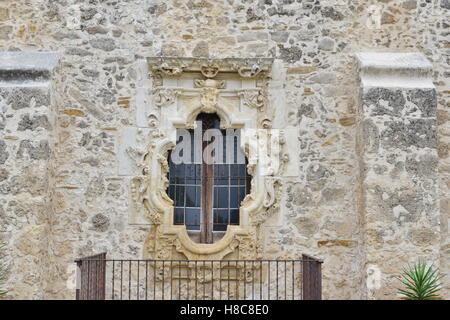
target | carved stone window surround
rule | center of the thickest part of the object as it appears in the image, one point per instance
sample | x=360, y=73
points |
x=178, y=108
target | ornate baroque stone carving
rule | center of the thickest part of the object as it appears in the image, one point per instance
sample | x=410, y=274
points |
x=254, y=98
x=169, y=241
x=164, y=97
x=209, y=94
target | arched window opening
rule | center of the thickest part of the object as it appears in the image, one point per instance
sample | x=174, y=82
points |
x=208, y=179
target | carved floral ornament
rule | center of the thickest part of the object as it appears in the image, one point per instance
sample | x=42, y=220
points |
x=169, y=241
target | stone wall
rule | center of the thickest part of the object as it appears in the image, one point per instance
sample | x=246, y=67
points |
x=26, y=153
x=398, y=165
x=68, y=149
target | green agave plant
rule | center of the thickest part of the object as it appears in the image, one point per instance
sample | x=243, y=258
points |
x=421, y=282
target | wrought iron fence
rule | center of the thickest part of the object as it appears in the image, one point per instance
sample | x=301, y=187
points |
x=100, y=278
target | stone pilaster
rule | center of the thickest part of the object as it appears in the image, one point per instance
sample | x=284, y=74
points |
x=26, y=150
x=397, y=146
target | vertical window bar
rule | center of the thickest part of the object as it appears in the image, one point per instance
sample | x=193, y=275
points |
x=245, y=279
x=129, y=280
x=137, y=282
x=188, y=274
x=253, y=280
x=121, y=279
x=293, y=282
x=212, y=280
x=154, y=279
x=260, y=280
x=228, y=280
x=146, y=280
x=179, y=280
x=171, y=277
x=195, y=279
x=268, y=287
x=285, y=288
x=89, y=279
x=112, y=291
x=277, y=278
x=163, y=271
x=204, y=280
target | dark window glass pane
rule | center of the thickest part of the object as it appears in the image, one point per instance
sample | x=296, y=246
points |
x=221, y=197
x=198, y=174
x=192, y=219
x=179, y=172
x=221, y=216
x=179, y=216
x=224, y=149
x=171, y=192
x=241, y=194
x=221, y=174
x=234, y=174
x=234, y=216
x=179, y=196
x=191, y=197
x=216, y=198
x=190, y=174
x=192, y=146
x=234, y=197
x=242, y=168
x=198, y=197
x=219, y=227
x=235, y=145
x=171, y=172
x=228, y=183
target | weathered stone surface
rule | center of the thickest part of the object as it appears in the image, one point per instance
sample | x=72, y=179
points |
x=326, y=44
x=399, y=163
x=105, y=44
x=420, y=133
x=331, y=12
x=20, y=98
x=5, y=32
x=291, y=54
x=100, y=223
x=369, y=174
x=4, y=154
x=40, y=151
x=27, y=123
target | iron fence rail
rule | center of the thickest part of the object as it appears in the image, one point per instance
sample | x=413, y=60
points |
x=117, y=279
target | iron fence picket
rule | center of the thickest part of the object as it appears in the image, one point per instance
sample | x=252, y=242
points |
x=234, y=279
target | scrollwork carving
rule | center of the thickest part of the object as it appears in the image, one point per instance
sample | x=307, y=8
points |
x=254, y=98
x=164, y=97
x=244, y=241
x=169, y=70
x=209, y=93
x=249, y=72
x=209, y=71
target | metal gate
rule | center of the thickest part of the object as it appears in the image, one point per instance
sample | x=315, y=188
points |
x=312, y=278
x=99, y=278
x=91, y=277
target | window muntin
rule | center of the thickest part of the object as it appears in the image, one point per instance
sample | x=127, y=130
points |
x=207, y=195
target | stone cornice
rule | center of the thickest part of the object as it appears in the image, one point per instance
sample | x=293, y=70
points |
x=17, y=66
x=388, y=69
x=210, y=67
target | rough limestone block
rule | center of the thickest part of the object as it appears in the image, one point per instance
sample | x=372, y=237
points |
x=26, y=146
x=398, y=156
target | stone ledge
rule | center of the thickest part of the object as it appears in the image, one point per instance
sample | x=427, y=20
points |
x=19, y=66
x=387, y=69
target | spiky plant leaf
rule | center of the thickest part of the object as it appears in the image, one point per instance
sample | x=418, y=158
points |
x=420, y=282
